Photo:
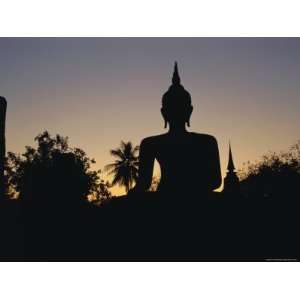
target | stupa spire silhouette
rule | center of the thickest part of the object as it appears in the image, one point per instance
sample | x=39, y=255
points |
x=230, y=166
x=231, y=181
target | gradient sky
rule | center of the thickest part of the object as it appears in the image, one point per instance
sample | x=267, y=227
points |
x=99, y=91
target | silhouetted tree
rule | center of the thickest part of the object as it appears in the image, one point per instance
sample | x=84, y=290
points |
x=100, y=192
x=51, y=174
x=9, y=177
x=276, y=176
x=125, y=167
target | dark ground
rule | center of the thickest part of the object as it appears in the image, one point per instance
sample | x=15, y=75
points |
x=152, y=227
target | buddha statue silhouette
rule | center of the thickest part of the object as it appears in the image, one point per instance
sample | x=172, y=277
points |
x=189, y=161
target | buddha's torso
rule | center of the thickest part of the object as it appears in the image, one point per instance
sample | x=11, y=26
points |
x=185, y=160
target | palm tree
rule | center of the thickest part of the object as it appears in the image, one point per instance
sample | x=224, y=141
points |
x=125, y=167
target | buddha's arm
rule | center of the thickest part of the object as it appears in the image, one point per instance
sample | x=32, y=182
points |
x=146, y=164
x=216, y=179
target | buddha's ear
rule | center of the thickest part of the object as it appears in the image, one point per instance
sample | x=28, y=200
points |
x=191, y=109
x=164, y=116
x=189, y=116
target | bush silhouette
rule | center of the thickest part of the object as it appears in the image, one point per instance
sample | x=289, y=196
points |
x=53, y=174
x=277, y=175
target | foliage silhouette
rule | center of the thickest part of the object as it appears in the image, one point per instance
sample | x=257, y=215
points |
x=101, y=194
x=53, y=174
x=277, y=175
x=125, y=167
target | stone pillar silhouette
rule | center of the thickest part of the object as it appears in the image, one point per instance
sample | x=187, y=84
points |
x=3, y=105
x=231, y=181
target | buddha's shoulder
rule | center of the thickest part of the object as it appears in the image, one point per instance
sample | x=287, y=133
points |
x=150, y=140
x=164, y=138
x=202, y=137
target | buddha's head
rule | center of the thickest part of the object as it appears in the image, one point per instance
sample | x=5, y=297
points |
x=176, y=103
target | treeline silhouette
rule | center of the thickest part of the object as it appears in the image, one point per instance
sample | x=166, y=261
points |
x=276, y=176
x=53, y=175
x=58, y=208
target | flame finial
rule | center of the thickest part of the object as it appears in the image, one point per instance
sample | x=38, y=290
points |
x=176, y=78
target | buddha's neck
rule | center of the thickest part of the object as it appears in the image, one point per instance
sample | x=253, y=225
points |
x=177, y=129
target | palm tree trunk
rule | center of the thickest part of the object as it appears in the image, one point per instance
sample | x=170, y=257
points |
x=2, y=144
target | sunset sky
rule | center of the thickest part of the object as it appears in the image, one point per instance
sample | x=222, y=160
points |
x=99, y=91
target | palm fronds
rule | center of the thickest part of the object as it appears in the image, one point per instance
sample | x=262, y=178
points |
x=125, y=168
